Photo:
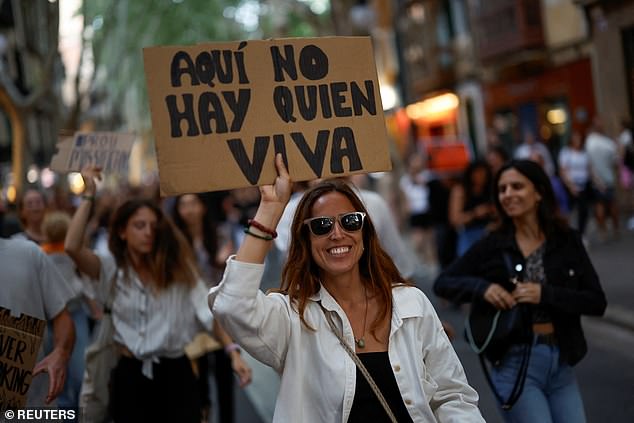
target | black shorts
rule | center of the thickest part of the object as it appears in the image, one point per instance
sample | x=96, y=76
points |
x=421, y=220
x=605, y=197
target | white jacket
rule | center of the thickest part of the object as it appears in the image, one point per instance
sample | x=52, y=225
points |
x=317, y=375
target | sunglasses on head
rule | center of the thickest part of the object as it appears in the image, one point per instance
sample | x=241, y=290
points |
x=323, y=225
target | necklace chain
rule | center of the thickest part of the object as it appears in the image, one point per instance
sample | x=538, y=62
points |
x=361, y=341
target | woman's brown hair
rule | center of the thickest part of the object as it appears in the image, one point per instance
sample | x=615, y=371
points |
x=300, y=276
x=171, y=259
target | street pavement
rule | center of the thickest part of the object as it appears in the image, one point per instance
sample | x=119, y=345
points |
x=614, y=262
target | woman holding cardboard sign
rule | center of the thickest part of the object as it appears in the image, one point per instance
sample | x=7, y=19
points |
x=158, y=307
x=343, y=313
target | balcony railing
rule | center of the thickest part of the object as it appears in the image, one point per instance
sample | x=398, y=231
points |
x=506, y=26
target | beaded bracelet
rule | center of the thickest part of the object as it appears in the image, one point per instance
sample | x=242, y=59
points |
x=258, y=225
x=232, y=347
x=264, y=237
x=88, y=197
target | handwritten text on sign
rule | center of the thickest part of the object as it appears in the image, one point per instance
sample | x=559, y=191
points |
x=20, y=340
x=315, y=101
x=108, y=150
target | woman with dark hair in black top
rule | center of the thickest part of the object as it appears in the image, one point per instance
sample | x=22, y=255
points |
x=560, y=284
x=470, y=207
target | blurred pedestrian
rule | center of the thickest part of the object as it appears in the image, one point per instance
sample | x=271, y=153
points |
x=574, y=169
x=54, y=228
x=191, y=215
x=561, y=195
x=626, y=152
x=158, y=307
x=529, y=146
x=445, y=236
x=413, y=184
x=9, y=222
x=31, y=209
x=603, y=155
x=31, y=285
x=340, y=292
x=496, y=157
x=470, y=207
x=558, y=283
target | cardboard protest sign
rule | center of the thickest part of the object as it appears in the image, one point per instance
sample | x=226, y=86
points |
x=221, y=111
x=110, y=150
x=20, y=340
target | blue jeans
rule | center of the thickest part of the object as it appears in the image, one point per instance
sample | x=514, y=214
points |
x=551, y=393
x=467, y=237
x=69, y=397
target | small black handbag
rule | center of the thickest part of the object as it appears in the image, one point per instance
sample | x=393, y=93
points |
x=491, y=332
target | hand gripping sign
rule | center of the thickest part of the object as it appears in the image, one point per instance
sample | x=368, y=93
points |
x=221, y=111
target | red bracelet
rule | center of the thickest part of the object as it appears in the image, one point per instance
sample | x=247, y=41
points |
x=261, y=227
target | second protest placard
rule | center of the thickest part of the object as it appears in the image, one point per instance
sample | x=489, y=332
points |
x=221, y=111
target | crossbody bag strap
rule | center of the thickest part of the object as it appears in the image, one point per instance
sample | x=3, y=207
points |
x=518, y=386
x=360, y=366
x=487, y=340
x=107, y=305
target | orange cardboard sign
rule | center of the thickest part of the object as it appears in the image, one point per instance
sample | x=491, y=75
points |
x=221, y=111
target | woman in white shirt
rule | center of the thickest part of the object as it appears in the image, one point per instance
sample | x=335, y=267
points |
x=337, y=270
x=159, y=306
x=574, y=169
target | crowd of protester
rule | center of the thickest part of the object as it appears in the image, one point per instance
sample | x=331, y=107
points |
x=168, y=252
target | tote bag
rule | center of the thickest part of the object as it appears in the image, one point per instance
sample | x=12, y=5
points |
x=101, y=358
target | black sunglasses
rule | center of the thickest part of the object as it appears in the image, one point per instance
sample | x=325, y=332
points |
x=323, y=225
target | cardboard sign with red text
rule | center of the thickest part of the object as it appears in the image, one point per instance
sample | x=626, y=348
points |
x=221, y=111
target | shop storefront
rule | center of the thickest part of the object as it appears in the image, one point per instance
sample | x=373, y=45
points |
x=549, y=105
x=434, y=125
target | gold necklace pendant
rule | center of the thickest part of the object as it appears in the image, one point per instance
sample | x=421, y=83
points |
x=361, y=342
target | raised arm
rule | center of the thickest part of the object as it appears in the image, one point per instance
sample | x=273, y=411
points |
x=272, y=203
x=85, y=260
x=259, y=323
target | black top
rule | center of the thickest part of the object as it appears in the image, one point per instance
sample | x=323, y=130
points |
x=573, y=286
x=534, y=272
x=366, y=406
x=473, y=201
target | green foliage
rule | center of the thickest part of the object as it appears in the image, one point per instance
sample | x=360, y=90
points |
x=118, y=31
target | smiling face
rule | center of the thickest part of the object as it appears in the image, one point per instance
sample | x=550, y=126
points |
x=140, y=231
x=517, y=194
x=339, y=251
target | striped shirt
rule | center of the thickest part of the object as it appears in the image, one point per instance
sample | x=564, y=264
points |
x=153, y=324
